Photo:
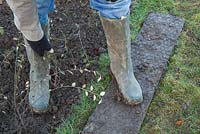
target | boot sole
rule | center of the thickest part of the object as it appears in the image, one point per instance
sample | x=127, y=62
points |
x=38, y=111
x=121, y=97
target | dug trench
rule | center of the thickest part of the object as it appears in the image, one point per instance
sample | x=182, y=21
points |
x=78, y=40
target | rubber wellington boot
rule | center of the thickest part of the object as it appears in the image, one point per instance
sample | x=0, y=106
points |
x=39, y=93
x=117, y=32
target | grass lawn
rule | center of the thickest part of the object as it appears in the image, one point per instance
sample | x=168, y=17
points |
x=175, y=108
x=176, y=104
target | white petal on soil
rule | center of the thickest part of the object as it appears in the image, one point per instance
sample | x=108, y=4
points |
x=81, y=71
x=51, y=50
x=54, y=117
x=94, y=73
x=102, y=93
x=84, y=86
x=15, y=38
x=27, y=83
x=5, y=97
x=100, y=101
x=94, y=97
x=70, y=72
x=73, y=84
x=91, y=88
x=86, y=93
x=22, y=92
x=99, y=79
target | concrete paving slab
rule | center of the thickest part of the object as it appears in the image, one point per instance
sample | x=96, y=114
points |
x=150, y=53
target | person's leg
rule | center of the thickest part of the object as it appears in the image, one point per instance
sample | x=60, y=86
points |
x=44, y=7
x=31, y=18
x=26, y=18
x=114, y=16
x=39, y=70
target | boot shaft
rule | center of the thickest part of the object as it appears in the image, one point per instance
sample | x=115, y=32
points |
x=117, y=33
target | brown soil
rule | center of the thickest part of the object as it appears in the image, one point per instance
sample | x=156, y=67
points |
x=78, y=40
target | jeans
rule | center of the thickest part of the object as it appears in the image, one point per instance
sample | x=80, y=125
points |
x=44, y=7
x=111, y=10
x=107, y=9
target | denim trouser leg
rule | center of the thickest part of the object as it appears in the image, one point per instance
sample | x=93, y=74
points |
x=44, y=7
x=111, y=10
